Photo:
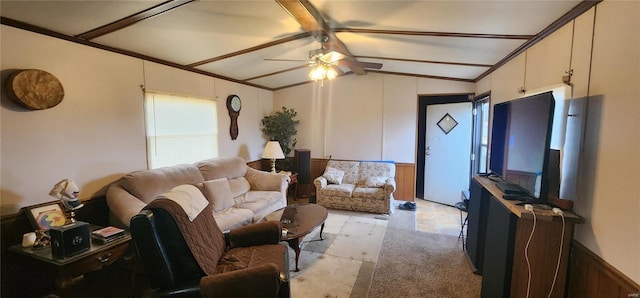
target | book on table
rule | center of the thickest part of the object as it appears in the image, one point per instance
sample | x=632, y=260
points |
x=107, y=234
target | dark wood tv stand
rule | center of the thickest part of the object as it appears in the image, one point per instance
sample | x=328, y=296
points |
x=498, y=231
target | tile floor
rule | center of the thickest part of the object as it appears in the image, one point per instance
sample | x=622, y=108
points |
x=431, y=217
x=437, y=218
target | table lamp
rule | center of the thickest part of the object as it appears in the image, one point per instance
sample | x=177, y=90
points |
x=273, y=151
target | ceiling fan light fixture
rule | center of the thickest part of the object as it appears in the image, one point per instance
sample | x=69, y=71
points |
x=331, y=73
x=321, y=71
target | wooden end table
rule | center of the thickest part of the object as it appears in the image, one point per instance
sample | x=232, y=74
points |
x=96, y=258
x=299, y=220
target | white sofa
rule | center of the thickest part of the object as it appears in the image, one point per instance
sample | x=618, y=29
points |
x=239, y=195
x=366, y=186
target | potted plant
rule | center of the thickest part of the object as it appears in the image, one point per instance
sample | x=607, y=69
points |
x=282, y=127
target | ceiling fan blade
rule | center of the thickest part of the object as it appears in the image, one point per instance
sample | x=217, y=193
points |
x=312, y=21
x=287, y=60
x=351, y=63
x=338, y=70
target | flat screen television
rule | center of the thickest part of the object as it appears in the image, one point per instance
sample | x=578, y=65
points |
x=520, y=144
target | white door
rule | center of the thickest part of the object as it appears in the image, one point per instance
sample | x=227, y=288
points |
x=447, y=152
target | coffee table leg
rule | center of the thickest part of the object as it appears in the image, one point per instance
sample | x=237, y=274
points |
x=321, y=228
x=295, y=244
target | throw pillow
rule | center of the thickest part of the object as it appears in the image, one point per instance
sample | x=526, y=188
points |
x=374, y=182
x=333, y=175
x=218, y=192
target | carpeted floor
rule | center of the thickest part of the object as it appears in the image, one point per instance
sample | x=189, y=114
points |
x=369, y=255
x=421, y=264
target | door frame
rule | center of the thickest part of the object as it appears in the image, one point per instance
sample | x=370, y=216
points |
x=423, y=102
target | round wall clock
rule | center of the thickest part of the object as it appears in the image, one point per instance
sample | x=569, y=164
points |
x=234, y=105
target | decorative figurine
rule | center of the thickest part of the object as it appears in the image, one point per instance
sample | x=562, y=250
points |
x=43, y=240
x=67, y=192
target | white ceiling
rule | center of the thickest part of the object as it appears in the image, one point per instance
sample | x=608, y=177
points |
x=418, y=38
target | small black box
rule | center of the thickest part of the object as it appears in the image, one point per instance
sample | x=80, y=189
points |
x=70, y=239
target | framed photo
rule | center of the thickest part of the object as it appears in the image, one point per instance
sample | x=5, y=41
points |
x=47, y=215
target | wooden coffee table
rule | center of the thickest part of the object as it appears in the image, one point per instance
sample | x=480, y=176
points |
x=299, y=220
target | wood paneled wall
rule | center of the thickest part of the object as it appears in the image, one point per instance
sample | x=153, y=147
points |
x=405, y=182
x=591, y=276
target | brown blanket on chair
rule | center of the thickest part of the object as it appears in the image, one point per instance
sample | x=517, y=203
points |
x=202, y=235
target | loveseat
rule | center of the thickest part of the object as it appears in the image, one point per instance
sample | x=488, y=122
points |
x=239, y=195
x=366, y=186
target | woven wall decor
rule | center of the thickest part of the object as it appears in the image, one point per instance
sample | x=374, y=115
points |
x=34, y=89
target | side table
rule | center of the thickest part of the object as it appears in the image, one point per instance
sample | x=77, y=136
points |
x=96, y=258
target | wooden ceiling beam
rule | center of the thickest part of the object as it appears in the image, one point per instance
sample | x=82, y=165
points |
x=427, y=61
x=132, y=19
x=252, y=49
x=431, y=33
x=312, y=21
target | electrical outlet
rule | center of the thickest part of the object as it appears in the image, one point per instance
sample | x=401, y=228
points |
x=557, y=210
x=528, y=207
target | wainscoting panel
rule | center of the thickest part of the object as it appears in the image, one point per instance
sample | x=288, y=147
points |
x=591, y=276
x=405, y=182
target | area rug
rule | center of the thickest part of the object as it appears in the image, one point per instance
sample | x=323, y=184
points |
x=413, y=263
x=342, y=264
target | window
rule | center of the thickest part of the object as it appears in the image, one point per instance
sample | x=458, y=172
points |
x=180, y=129
x=480, y=135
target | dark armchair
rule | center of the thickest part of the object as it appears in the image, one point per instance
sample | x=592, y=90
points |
x=181, y=258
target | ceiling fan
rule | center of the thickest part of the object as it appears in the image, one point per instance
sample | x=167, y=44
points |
x=325, y=62
x=332, y=52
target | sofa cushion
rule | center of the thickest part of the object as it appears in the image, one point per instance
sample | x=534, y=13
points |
x=222, y=167
x=239, y=186
x=333, y=175
x=350, y=168
x=376, y=169
x=261, y=203
x=147, y=184
x=375, y=181
x=232, y=218
x=218, y=192
x=369, y=193
x=338, y=190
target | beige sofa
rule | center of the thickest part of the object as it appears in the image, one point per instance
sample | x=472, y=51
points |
x=366, y=186
x=239, y=194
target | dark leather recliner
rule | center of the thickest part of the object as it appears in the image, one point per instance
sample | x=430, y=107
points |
x=252, y=263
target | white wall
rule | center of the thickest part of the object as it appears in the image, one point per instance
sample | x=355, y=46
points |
x=609, y=75
x=96, y=134
x=608, y=193
x=373, y=116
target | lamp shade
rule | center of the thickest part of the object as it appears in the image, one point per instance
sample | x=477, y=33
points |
x=273, y=150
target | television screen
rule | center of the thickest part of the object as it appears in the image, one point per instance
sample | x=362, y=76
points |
x=498, y=138
x=520, y=142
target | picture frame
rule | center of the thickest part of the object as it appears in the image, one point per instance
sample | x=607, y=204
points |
x=46, y=215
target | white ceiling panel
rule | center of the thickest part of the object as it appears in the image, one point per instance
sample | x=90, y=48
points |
x=205, y=29
x=284, y=79
x=239, y=39
x=71, y=17
x=253, y=64
x=434, y=48
x=496, y=17
x=431, y=69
